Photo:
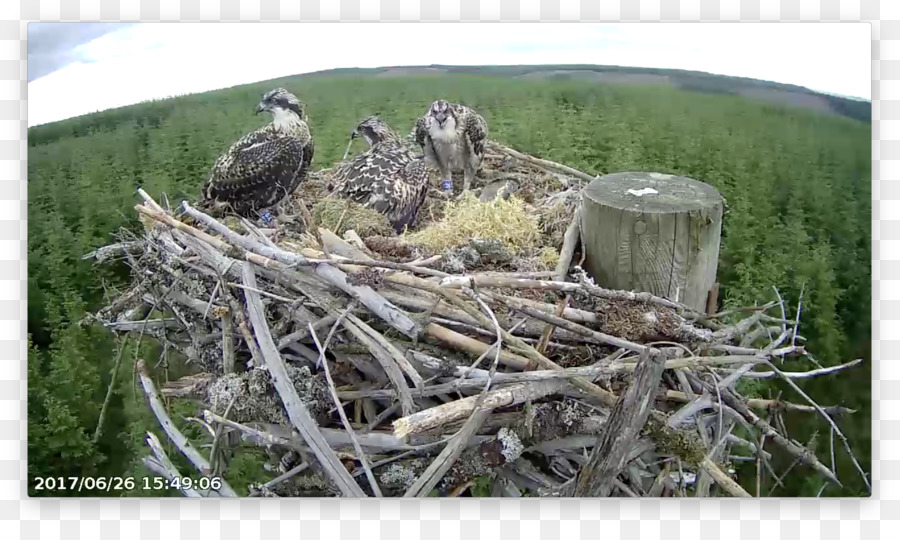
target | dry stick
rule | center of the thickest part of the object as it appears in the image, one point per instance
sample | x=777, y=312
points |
x=324, y=362
x=392, y=315
x=262, y=438
x=303, y=333
x=448, y=412
x=353, y=265
x=482, y=332
x=293, y=472
x=109, y=391
x=792, y=447
x=395, y=353
x=797, y=323
x=544, y=340
x=765, y=404
x=173, y=432
x=312, y=259
x=502, y=282
x=828, y=419
x=297, y=412
x=621, y=430
x=799, y=374
x=477, y=381
x=568, y=325
x=386, y=360
x=433, y=474
x=227, y=343
x=160, y=464
x=543, y=163
x=570, y=241
x=472, y=346
x=238, y=313
x=216, y=437
x=384, y=357
x=448, y=456
x=781, y=305
x=311, y=226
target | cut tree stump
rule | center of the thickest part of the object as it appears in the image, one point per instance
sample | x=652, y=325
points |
x=653, y=232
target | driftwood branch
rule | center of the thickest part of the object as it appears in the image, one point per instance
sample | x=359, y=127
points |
x=160, y=464
x=297, y=412
x=621, y=430
x=175, y=435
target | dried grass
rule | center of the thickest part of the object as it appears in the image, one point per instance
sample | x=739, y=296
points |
x=331, y=212
x=507, y=221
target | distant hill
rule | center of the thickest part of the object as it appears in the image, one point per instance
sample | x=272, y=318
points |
x=698, y=81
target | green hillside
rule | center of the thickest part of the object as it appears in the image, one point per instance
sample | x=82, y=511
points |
x=797, y=185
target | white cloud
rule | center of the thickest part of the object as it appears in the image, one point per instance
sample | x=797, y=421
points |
x=151, y=61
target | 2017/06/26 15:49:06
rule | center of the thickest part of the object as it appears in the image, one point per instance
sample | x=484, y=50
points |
x=75, y=483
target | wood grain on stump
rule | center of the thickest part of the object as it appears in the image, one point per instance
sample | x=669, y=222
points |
x=653, y=232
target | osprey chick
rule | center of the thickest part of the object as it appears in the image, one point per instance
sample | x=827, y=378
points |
x=387, y=178
x=265, y=166
x=453, y=138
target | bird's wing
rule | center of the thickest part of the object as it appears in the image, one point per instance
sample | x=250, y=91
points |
x=421, y=131
x=475, y=129
x=305, y=163
x=387, y=179
x=256, y=166
x=362, y=176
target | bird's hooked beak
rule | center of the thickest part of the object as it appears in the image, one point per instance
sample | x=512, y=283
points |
x=441, y=118
x=260, y=108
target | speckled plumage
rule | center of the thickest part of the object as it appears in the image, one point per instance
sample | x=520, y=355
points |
x=388, y=178
x=456, y=144
x=265, y=166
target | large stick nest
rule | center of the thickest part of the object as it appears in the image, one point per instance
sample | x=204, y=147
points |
x=416, y=320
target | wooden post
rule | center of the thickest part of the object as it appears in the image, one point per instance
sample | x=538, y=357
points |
x=652, y=232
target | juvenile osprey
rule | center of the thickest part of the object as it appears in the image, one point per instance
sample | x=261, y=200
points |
x=388, y=177
x=264, y=166
x=453, y=138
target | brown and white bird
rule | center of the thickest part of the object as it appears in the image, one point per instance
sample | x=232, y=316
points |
x=265, y=166
x=388, y=178
x=453, y=138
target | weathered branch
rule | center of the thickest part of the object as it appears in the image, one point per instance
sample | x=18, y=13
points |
x=180, y=441
x=621, y=430
x=297, y=412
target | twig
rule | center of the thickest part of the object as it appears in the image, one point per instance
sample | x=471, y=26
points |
x=109, y=391
x=304, y=332
x=217, y=437
x=797, y=374
x=828, y=419
x=324, y=362
x=797, y=326
x=160, y=464
x=297, y=412
x=173, y=432
x=570, y=242
x=543, y=163
x=227, y=343
x=293, y=472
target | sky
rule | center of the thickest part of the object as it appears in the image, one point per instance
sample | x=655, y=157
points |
x=79, y=68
